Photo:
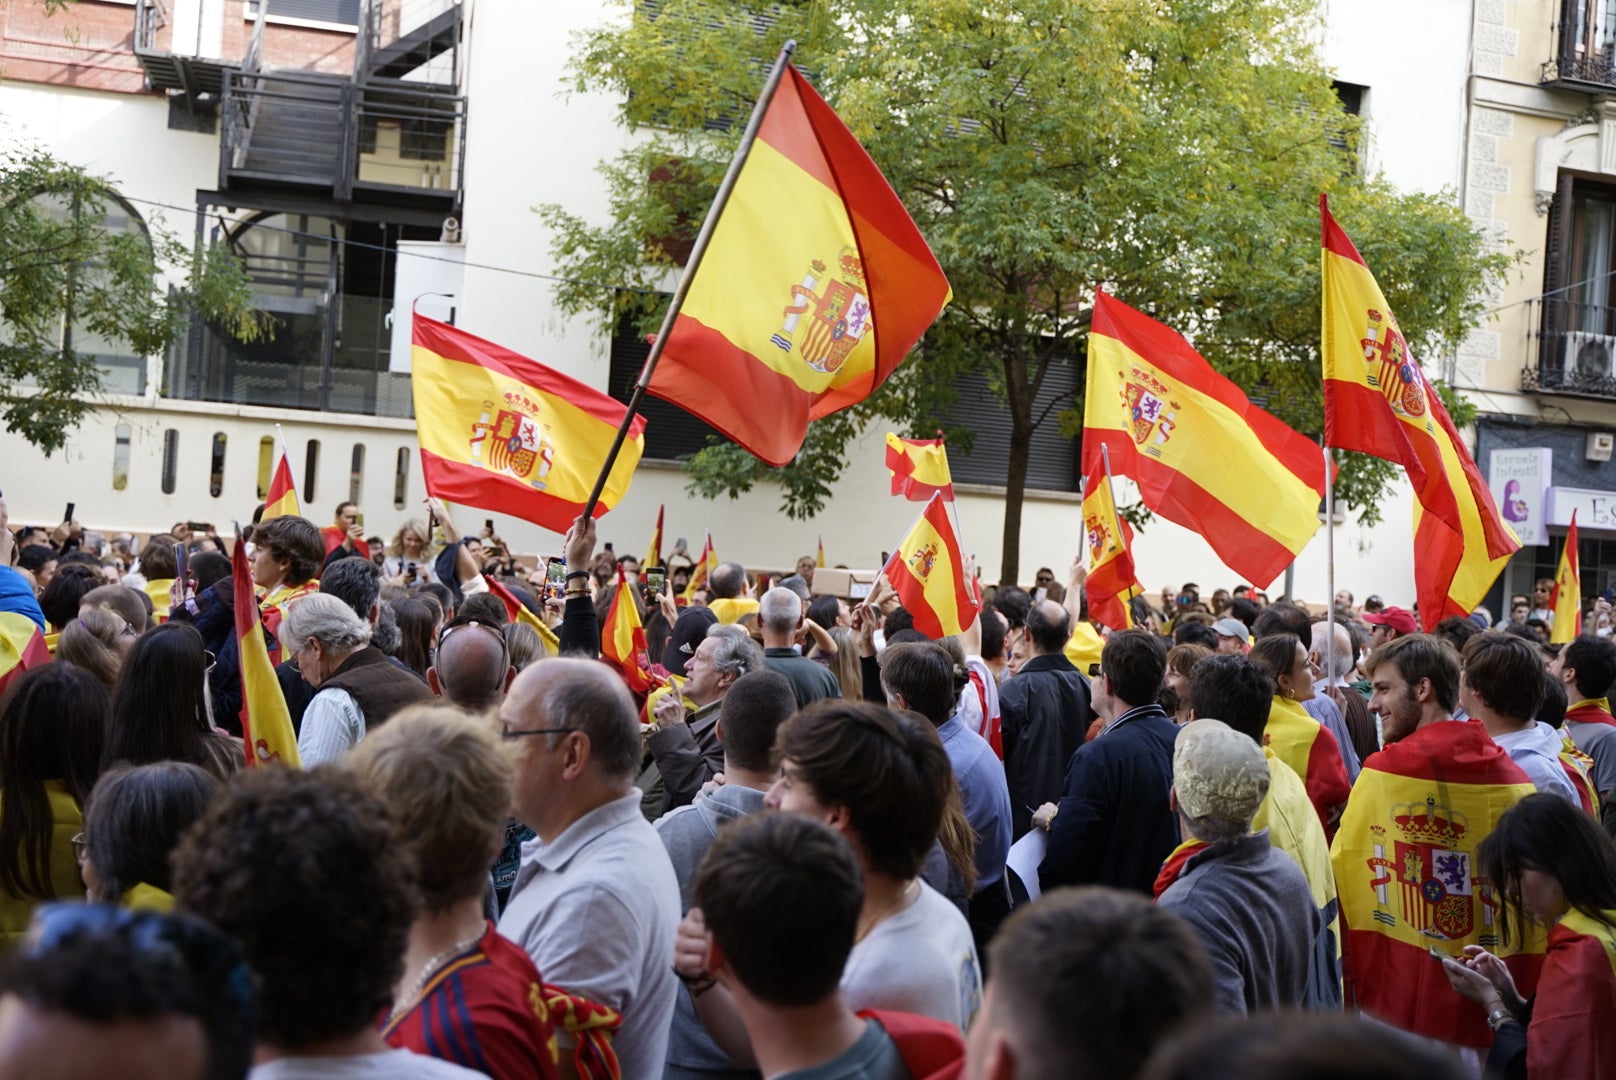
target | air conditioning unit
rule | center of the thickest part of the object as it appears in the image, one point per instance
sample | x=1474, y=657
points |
x=1599, y=446
x=1589, y=357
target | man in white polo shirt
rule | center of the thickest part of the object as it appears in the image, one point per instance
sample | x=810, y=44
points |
x=596, y=901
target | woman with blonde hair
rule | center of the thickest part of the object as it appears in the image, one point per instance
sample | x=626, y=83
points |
x=845, y=664
x=97, y=641
x=409, y=560
x=466, y=992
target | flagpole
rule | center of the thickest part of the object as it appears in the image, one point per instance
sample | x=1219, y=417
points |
x=720, y=198
x=1329, y=563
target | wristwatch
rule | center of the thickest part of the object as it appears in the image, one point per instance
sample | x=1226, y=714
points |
x=1498, y=1016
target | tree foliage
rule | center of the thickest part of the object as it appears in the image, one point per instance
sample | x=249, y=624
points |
x=65, y=275
x=1168, y=151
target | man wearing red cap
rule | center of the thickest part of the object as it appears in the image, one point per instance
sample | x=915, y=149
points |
x=1390, y=624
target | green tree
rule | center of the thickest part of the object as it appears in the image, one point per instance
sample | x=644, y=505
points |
x=1168, y=151
x=65, y=274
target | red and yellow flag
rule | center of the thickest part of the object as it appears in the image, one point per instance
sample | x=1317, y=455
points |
x=22, y=646
x=821, y=564
x=622, y=639
x=704, y=566
x=815, y=286
x=1378, y=401
x=919, y=468
x=1111, y=582
x=517, y=612
x=1405, y=867
x=653, y=554
x=928, y=572
x=281, y=498
x=266, y=725
x=1202, y=455
x=1311, y=751
x=1566, y=598
x=503, y=433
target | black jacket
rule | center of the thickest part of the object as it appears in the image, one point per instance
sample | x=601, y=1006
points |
x=1114, y=826
x=1045, y=713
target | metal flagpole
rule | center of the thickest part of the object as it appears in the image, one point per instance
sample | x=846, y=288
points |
x=691, y=265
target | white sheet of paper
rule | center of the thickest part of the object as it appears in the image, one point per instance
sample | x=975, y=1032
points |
x=1026, y=856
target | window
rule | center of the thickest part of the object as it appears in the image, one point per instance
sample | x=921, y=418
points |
x=266, y=465
x=120, y=456
x=345, y=12
x=311, y=468
x=216, y=469
x=1587, y=42
x=356, y=474
x=401, y=478
x=171, y=458
x=1052, y=460
x=1578, y=346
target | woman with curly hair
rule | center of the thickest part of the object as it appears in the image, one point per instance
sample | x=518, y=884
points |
x=409, y=558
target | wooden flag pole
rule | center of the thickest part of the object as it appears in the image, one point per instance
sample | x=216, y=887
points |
x=720, y=198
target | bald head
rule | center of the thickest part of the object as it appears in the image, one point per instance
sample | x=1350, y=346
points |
x=472, y=667
x=584, y=696
x=779, y=613
x=1327, y=646
x=1049, y=626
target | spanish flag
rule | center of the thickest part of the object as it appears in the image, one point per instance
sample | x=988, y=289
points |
x=1312, y=752
x=1574, y=1017
x=1111, y=582
x=1202, y=455
x=505, y=434
x=622, y=639
x=653, y=554
x=1405, y=867
x=22, y=646
x=821, y=564
x=1566, y=598
x=517, y=612
x=928, y=572
x=281, y=498
x=815, y=286
x=919, y=468
x=1378, y=401
x=704, y=565
x=266, y=725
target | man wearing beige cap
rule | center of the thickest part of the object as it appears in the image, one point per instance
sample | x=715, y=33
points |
x=1248, y=903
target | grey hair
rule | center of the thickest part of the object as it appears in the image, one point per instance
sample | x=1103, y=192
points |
x=780, y=610
x=737, y=654
x=1212, y=830
x=587, y=696
x=1325, y=643
x=325, y=619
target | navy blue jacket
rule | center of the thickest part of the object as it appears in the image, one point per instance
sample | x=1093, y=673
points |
x=1044, y=714
x=1114, y=826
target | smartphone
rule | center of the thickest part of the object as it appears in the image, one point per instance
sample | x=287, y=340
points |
x=555, y=578
x=655, y=578
x=410, y=574
x=182, y=564
x=198, y=527
x=1438, y=955
x=67, y=515
x=608, y=547
x=488, y=523
x=359, y=519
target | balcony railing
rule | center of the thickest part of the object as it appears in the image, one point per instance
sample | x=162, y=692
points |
x=1576, y=350
x=1585, y=53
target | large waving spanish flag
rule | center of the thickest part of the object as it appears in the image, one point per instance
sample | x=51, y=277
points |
x=1405, y=868
x=928, y=572
x=1111, y=582
x=815, y=286
x=1202, y=455
x=919, y=468
x=1378, y=401
x=266, y=725
x=281, y=498
x=22, y=646
x=1566, y=598
x=622, y=638
x=503, y=433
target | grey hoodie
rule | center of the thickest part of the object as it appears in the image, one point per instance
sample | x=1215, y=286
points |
x=687, y=832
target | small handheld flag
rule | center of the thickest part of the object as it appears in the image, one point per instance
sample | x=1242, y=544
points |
x=704, y=566
x=280, y=500
x=266, y=725
x=928, y=572
x=1566, y=598
x=919, y=468
x=622, y=638
x=653, y=554
x=1110, y=583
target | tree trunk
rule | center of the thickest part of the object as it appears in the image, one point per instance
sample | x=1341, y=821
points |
x=1018, y=398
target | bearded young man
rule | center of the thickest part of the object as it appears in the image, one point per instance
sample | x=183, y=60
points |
x=1404, y=855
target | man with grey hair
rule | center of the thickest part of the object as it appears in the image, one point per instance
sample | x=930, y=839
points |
x=596, y=901
x=357, y=689
x=1248, y=903
x=780, y=617
x=684, y=743
x=472, y=668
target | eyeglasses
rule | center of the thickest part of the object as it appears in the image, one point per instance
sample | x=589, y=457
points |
x=509, y=734
x=213, y=662
x=81, y=844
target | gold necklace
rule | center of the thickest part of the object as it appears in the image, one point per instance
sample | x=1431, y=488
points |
x=886, y=911
x=407, y=1000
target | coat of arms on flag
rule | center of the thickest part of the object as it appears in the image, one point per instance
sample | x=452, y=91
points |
x=1436, y=889
x=832, y=311
x=1149, y=407
x=1391, y=365
x=513, y=442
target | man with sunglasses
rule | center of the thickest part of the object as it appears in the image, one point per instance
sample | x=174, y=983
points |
x=472, y=666
x=595, y=901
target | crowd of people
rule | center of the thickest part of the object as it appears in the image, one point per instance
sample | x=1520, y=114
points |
x=793, y=836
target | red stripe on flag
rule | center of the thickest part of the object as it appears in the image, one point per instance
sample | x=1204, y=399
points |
x=1335, y=239
x=474, y=485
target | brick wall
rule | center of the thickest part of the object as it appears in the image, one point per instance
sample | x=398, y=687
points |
x=91, y=45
